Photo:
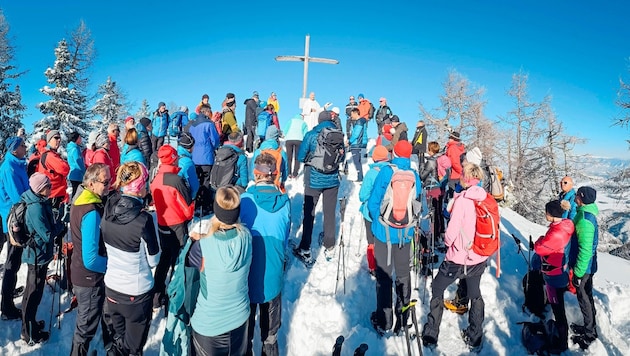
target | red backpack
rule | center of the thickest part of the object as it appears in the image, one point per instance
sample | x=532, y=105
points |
x=487, y=239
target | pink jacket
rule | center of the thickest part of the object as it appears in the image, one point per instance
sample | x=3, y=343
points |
x=461, y=228
x=443, y=163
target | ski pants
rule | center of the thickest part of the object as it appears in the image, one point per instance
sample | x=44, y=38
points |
x=446, y=275
x=293, y=147
x=130, y=318
x=270, y=320
x=9, y=280
x=157, y=142
x=400, y=263
x=171, y=242
x=587, y=305
x=233, y=342
x=311, y=197
x=356, y=158
x=204, y=196
x=556, y=299
x=35, y=281
x=89, y=315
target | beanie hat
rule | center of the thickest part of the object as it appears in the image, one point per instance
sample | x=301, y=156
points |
x=554, y=209
x=230, y=95
x=236, y=138
x=380, y=153
x=403, y=149
x=255, y=95
x=51, y=134
x=335, y=110
x=161, y=104
x=272, y=133
x=13, y=143
x=361, y=96
x=101, y=139
x=474, y=156
x=167, y=154
x=73, y=137
x=205, y=96
x=38, y=181
x=183, y=108
x=587, y=195
x=454, y=135
x=145, y=122
x=186, y=140
x=323, y=116
x=129, y=118
x=395, y=118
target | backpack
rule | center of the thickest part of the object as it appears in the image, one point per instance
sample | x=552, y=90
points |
x=399, y=207
x=16, y=225
x=175, y=127
x=217, y=119
x=224, y=170
x=277, y=154
x=264, y=120
x=541, y=337
x=496, y=187
x=534, y=292
x=487, y=235
x=371, y=112
x=329, y=152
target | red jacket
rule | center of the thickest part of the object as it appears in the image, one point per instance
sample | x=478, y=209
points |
x=102, y=156
x=454, y=151
x=114, y=151
x=551, y=247
x=57, y=170
x=173, y=202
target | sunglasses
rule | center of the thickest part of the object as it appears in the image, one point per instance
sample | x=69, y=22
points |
x=57, y=137
x=105, y=183
x=565, y=183
x=351, y=98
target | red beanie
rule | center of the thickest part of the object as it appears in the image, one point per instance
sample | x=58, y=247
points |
x=403, y=149
x=167, y=154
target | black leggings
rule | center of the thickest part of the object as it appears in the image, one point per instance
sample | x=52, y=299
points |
x=233, y=342
x=293, y=147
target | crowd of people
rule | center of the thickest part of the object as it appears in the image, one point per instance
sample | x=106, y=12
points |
x=119, y=263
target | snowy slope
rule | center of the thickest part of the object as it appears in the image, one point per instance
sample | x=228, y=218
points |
x=313, y=315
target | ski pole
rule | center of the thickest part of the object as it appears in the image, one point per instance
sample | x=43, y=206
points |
x=520, y=250
x=341, y=259
x=529, y=261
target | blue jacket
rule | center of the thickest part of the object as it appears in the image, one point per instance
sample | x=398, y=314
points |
x=131, y=153
x=295, y=129
x=178, y=115
x=160, y=124
x=206, y=140
x=368, y=184
x=75, y=161
x=13, y=182
x=187, y=170
x=267, y=213
x=241, y=166
x=358, y=137
x=317, y=180
x=224, y=261
x=378, y=193
x=271, y=144
x=41, y=223
x=570, y=197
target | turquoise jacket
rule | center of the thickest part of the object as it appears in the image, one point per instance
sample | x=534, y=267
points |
x=570, y=197
x=223, y=301
x=266, y=211
x=75, y=161
x=13, y=182
x=295, y=129
x=368, y=185
x=131, y=153
x=41, y=223
x=187, y=170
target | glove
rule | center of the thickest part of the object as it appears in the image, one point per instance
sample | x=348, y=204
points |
x=576, y=281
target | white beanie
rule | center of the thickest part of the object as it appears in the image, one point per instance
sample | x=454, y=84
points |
x=474, y=156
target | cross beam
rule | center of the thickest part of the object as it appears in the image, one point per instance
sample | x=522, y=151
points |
x=305, y=58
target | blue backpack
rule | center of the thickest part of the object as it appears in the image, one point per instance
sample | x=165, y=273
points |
x=175, y=128
x=264, y=121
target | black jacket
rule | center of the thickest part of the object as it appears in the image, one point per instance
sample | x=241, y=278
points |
x=419, y=141
x=250, y=113
x=428, y=172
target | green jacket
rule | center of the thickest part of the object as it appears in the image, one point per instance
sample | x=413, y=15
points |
x=583, y=254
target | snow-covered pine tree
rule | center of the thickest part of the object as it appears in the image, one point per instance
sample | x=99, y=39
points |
x=66, y=108
x=11, y=107
x=111, y=103
x=144, y=110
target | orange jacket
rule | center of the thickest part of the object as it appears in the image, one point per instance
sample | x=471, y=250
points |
x=364, y=108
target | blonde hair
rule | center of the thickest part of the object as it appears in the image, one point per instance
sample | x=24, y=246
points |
x=127, y=173
x=472, y=171
x=227, y=198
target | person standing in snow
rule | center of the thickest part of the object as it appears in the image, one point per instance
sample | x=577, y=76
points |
x=56, y=168
x=358, y=142
x=89, y=259
x=266, y=211
x=75, y=161
x=383, y=114
x=294, y=134
x=419, y=142
x=223, y=257
x=583, y=262
x=398, y=131
x=352, y=104
x=460, y=262
x=160, y=121
x=251, y=121
x=551, y=257
x=567, y=198
x=392, y=247
x=113, y=133
x=310, y=111
x=133, y=249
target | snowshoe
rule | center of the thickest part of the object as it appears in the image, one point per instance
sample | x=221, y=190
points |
x=304, y=256
x=460, y=309
x=582, y=340
x=18, y=292
x=579, y=329
x=473, y=346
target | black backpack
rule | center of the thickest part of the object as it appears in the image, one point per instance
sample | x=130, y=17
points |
x=541, y=337
x=329, y=152
x=534, y=291
x=16, y=226
x=224, y=170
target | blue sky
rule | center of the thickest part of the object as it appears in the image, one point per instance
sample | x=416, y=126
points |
x=574, y=51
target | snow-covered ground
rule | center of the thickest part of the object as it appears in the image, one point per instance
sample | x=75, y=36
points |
x=314, y=316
